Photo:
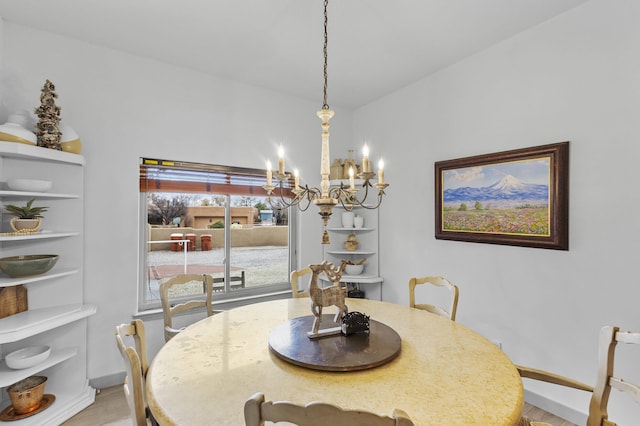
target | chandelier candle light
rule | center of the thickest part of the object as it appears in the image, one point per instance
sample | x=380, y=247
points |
x=327, y=196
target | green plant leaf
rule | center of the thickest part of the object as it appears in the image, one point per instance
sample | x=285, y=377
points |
x=27, y=211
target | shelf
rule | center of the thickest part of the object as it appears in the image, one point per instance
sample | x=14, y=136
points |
x=349, y=253
x=345, y=182
x=359, y=279
x=25, y=194
x=21, y=150
x=356, y=206
x=367, y=247
x=38, y=236
x=67, y=404
x=6, y=281
x=31, y=322
x=9, y=376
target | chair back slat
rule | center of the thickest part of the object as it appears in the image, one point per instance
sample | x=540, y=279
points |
x=627, y=387
x=169, y=311
x=257, y=411
x=628, y=337
x=450, y=311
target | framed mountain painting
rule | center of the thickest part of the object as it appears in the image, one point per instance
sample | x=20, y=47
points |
x=518, y=198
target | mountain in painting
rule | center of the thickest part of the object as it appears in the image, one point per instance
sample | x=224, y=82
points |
x=508, y=188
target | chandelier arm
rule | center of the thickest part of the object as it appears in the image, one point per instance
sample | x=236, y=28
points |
x=353, y=199
x=312, y=192
x=282, y=200
x=281, y=203
x=366, y=186
x=309, y=195
x=369, y=206
x=304, y=196
x=380, y=187
x=337, y=192
x=306, y=205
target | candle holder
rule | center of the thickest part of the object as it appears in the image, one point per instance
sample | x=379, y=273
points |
x=282, y=176
x=366, y=175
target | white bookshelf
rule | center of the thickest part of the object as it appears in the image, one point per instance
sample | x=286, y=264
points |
x=57, y=314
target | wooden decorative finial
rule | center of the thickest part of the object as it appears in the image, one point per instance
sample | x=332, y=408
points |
x=48, y=126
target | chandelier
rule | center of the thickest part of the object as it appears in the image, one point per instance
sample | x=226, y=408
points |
x=328, y=195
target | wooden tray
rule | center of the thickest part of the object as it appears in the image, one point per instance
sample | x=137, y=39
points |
x=360, y=351
x=9, y=414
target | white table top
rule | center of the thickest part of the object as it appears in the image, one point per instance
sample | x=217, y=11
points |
x=446, y=374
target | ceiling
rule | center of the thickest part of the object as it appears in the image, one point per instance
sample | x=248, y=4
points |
x=375, y=46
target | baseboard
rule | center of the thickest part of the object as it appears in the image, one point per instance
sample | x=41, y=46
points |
x=555, y=408
x=107, y=381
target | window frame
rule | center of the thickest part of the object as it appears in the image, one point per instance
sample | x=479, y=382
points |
x=227, y=298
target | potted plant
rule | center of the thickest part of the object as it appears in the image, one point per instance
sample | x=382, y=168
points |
x=26, y=218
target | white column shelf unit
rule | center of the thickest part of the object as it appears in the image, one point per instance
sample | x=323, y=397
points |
x=57, y=315
x=370, y=279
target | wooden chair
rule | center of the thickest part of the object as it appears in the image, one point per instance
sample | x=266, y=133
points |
x=295, y=275
x=437, y=281
x=598, y=416
x=236, y=282
x=136, y=366
x=257, y=411
x=171, y=311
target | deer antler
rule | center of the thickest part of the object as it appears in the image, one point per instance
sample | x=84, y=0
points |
x=333, y=273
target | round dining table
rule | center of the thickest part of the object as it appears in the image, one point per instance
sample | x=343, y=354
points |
x=445, y=374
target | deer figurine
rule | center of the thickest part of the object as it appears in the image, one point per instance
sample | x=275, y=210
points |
x=322, y=297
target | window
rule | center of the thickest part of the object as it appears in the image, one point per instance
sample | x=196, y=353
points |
x=209, y=219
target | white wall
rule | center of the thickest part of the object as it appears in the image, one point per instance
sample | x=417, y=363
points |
x=125, y=107
x=575, y=78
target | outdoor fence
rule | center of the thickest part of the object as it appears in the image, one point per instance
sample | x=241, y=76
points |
x=240, y=237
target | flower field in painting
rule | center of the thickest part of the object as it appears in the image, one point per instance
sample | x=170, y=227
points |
x=522, y=220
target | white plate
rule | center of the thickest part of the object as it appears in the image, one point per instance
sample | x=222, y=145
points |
x=31, y=185
x=27, y=357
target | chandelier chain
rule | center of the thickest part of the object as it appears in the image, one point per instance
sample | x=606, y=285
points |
x=325, y=105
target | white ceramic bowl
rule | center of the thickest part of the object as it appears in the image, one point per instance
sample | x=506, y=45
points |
x=69, y=140
x=12, y=132
x=30, y=185
x=27, y=357
x=353, y=269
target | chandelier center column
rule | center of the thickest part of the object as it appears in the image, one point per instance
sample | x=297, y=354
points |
x=325, y=167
